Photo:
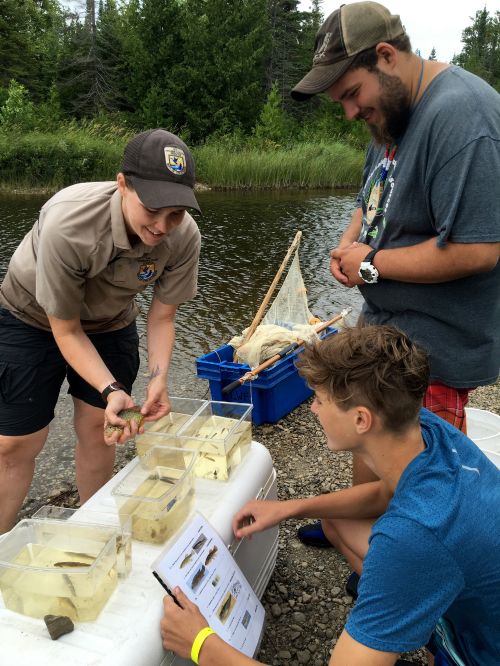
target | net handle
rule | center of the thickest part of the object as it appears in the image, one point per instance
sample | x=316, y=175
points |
x=260, y=312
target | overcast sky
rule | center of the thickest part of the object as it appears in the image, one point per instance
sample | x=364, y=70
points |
x=430, y=23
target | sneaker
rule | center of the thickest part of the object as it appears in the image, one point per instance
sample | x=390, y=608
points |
x=351, y=586
x=313, y=535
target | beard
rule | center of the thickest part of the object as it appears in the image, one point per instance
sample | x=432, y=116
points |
x=395, y=106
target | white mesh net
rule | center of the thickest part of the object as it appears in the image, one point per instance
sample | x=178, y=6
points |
x=287, y=320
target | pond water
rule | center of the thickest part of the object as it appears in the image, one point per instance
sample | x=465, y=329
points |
x=245, y=236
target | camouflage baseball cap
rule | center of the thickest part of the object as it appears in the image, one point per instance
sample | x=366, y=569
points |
x=348, y=31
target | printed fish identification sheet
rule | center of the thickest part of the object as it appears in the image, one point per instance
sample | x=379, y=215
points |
x=202, y=566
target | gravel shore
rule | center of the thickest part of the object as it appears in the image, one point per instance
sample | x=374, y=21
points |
x=306, y=605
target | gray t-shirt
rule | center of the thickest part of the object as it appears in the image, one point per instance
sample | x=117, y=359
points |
x=444, y=183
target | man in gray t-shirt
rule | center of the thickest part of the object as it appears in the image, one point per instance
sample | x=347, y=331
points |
x=423, y=243
x=424, y=240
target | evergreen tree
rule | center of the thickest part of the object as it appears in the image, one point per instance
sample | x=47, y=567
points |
x=481, y=51
x=432, y=55
x=15, y=54
x=111, y=55
x=310, y=24
x=152, y=51
x=286, y=64
x=29, y=42
x=273, y=124
x=225, y=42
x=87, y=77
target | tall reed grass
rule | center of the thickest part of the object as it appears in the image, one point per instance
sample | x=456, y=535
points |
x=54, y=160
x=303, y=165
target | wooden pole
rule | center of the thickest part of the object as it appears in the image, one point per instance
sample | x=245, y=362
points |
x=260, y=312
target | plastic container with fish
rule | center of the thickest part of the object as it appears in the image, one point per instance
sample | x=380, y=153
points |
x=122, y=527
x=164, y=431
x=157, y=493
x=58, y=567
x=221, y=432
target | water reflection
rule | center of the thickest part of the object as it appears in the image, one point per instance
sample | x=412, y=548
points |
x=245, y=236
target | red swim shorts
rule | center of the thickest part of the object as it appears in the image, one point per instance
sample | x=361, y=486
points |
x=448, y=403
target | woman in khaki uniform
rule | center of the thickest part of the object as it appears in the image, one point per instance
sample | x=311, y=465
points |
x=67, y=310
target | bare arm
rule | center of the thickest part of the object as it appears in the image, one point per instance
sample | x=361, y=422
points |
x=180, y=625
x=424, y=263
x=367, y=500
x=161, y=339
x=349, y=652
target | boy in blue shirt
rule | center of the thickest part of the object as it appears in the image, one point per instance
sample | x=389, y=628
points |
x=433, y=515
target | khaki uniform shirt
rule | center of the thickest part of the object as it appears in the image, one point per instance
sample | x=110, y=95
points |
x=77, y=262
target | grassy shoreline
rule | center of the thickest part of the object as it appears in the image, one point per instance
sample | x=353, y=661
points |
x=41, y=163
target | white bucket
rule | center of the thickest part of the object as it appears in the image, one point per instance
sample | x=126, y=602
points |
x=483, y=428
x=494, y=457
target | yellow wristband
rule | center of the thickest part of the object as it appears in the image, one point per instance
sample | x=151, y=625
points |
x=201, y=636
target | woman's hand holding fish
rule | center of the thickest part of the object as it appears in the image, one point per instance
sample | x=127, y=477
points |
x=118, y=430
x=258, y=515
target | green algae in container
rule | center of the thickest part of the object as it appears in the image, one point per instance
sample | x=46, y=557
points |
x=221, y=432
x=157, y=493
x=164, y=431
x=51, y=567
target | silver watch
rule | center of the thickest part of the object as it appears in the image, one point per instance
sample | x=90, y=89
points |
x=367, y=271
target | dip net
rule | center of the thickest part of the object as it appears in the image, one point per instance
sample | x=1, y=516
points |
x=287, y=321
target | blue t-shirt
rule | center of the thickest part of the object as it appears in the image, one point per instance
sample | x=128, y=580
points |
x=435, y=553
x=444, y=184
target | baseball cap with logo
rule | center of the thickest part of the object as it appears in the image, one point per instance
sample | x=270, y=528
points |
x=348, y=31
x=161, y=169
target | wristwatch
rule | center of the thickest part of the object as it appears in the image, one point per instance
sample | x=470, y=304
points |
x=367, y=270
x=114, y=386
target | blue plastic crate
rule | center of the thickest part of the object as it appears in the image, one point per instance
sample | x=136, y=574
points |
x=274, y=393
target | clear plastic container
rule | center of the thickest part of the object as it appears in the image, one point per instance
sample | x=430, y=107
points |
x=95, y=517
x=164, y=431
x=58, y=567
x=221, y=432
x=157, y=493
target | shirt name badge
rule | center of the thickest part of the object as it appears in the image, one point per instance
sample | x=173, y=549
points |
x=147, y=271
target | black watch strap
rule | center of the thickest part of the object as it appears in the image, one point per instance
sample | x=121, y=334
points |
x=114, y=386
x=370, y=255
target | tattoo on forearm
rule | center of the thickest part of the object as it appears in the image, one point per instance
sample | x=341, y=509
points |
x=154, y=372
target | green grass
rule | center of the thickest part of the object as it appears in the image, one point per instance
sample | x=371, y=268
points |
x=304, y=165
x=37, y=160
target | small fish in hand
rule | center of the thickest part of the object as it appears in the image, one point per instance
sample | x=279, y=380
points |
x=129, y=415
